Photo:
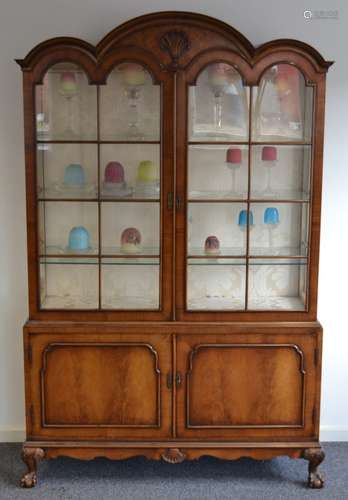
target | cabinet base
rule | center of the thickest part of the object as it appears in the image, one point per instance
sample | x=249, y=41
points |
x=172, y=452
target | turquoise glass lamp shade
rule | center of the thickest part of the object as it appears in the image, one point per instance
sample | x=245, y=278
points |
x=243, y=218
x=271, y=216
x=74, y=175
x=79, y=239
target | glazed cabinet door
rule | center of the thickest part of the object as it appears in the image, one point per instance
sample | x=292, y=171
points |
x=98, y=186
x=83, y=386
x=247, y=386
x=244, y=185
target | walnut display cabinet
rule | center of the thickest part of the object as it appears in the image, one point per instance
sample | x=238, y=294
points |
x=173, y=177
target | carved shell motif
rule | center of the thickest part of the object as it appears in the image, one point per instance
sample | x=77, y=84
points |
x=173, y=456
x=176, y=43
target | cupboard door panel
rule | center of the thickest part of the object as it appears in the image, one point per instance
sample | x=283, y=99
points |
x=246, y=385
x=101, y=384
x=106, y=386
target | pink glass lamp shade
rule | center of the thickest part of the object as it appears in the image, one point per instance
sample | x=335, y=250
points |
x=234, y=156
x=220, y=76
x=212, y=245
x=133, y=74
x=131, y=240
x=114, y=173
x=269, y=153
x=68, y=84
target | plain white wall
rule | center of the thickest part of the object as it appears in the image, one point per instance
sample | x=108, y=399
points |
x=23, y=24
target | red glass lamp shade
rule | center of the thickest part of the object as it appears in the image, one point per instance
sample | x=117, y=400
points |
x=269, y=153
x=234, y=155
x=114, y=172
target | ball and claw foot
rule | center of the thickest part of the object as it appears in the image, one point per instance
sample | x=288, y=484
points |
x=31, y=458
x=315, y=456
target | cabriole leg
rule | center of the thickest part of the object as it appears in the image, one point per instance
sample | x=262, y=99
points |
x=315, y=456
x=31, y=458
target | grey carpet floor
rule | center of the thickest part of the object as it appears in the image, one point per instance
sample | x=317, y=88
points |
x=204, y=479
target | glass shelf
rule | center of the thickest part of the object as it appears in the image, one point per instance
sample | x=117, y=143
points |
x=199, y=252
x=130, y=287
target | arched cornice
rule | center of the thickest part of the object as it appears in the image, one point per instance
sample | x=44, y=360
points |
x=154, y=34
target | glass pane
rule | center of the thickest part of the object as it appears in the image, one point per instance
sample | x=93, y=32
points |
x=216, y=229
x=277, y=284
x=218, y=105
x=280, y=172
x=69, y=283
x=68, y=228
x=216, y=284
x=130, y=170
x=282, y=107
x=279, y=229
x=130, y=228
x=216, y=171
x=130, y=105
x=130, y=283
x=67, y=170
x=66, y=105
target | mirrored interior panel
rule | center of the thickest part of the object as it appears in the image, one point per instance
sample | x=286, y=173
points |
x=68, y=283
x=216, y=229
x=218, y=105
x=215, y=284
x=277, y=284
x=130, y=229
x=130, y=171
x=280, y=172
x=67, y=171
x=69, y=228
x=217, y=171
x=130, y=283
x=282, y=106
x=66, y=105
x=279, y=229
x=130, y=105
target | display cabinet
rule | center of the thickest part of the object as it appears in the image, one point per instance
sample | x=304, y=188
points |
x=173, y=179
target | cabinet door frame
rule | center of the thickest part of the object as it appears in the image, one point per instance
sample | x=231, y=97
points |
x=251, y=75
x=307, y=347
x=97, y=73
x=39, y=344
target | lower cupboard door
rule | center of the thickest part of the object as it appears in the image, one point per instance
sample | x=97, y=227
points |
x=109, y=387
x=247, y=387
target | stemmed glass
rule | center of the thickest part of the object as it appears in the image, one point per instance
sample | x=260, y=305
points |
x=271, y=219
x=219, y=80
x=69, y=89
x=133, y=79
x=269, y=158
x=233, y=162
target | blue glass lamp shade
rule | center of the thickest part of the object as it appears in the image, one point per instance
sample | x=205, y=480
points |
x=243, y=218
x=79, y=239
x=74, y=175
x=271, y=216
